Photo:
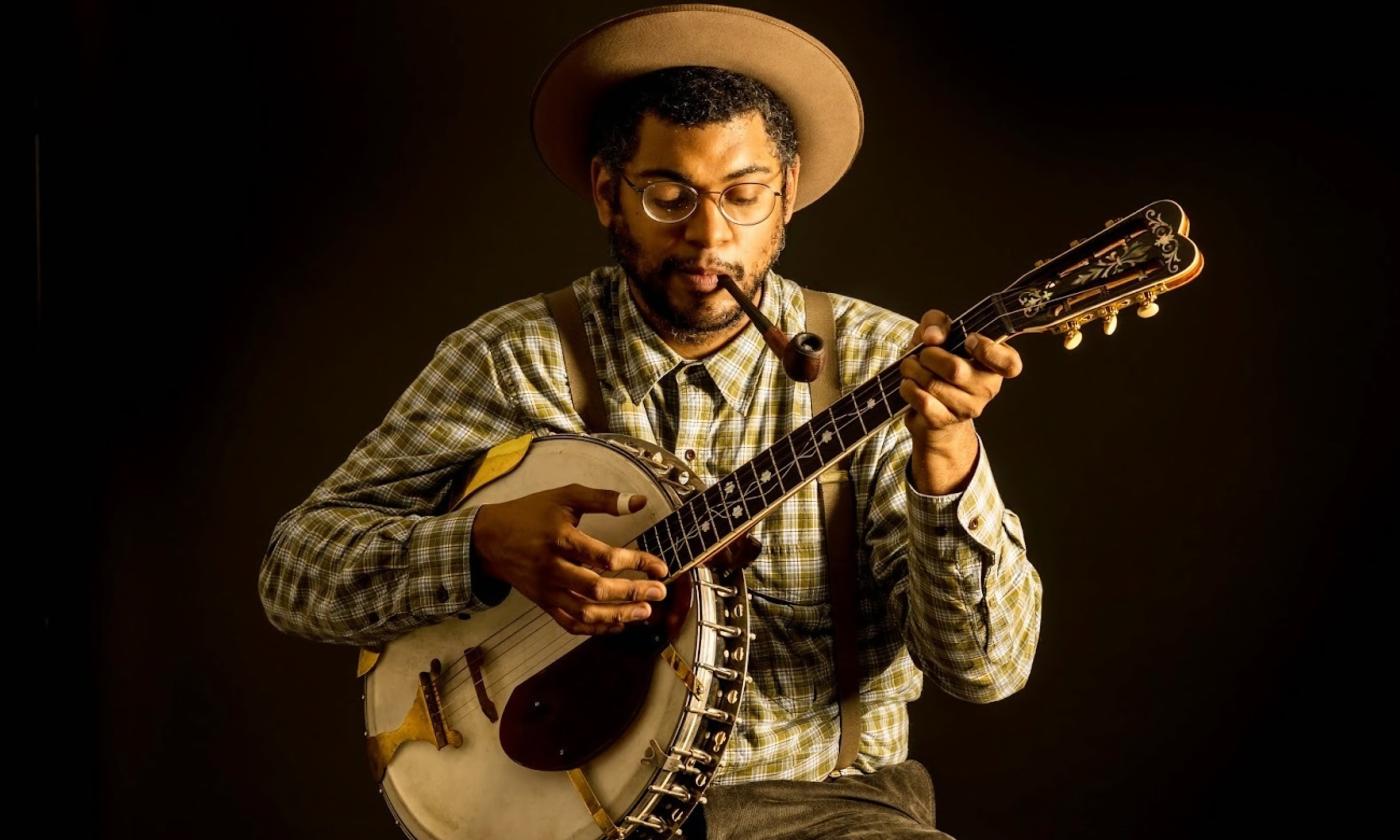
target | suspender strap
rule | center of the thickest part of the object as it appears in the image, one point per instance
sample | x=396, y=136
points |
x=838, y=503
x=578, y=359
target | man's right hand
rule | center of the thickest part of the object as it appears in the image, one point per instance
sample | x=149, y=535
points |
x=534, y=544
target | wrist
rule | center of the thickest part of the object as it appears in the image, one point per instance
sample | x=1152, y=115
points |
x=479, y=549
x=942, y=460
x=489, y=586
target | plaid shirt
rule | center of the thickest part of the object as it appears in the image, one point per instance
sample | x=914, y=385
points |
x=946, y=586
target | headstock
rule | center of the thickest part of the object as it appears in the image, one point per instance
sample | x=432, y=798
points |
x=1132, y=261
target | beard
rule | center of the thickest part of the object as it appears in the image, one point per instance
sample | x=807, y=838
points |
x=676, y=324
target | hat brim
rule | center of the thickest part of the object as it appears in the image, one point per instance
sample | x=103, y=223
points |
x=812, y=81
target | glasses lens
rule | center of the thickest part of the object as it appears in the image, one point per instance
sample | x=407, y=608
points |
x=748, y=204
x=744, y=204
x=668, y=201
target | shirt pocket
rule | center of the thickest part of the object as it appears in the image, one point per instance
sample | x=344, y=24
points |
x=791, y=657
x=792, y=566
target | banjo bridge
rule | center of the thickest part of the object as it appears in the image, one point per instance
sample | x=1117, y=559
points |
x=474, y=658
x=424, y=722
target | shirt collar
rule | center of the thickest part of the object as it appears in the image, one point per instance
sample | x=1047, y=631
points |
x=735, y=368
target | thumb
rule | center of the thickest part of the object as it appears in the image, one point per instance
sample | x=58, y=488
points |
x=581, y=499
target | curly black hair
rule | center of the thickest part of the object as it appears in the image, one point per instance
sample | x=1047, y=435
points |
x=686, y=96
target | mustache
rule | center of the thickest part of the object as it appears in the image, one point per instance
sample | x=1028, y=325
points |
x=671, y=264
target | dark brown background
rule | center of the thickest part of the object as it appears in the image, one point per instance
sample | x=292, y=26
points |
x=259, y=220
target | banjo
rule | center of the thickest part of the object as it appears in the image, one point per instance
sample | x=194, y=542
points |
x=508, y=726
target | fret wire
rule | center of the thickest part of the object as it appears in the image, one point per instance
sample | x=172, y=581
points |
x=864, y=398
x=833, y=426
x=830, y=429
x=750, y=487
x=675, y=530
x=708, y=536
x=865, y=402
x=885, y=391
x=816, y=443
x=718, y=491
x=792, y=447
x=650, y=541
x=746, y=487
x=772, y=471
x=848, y=411
x=670, y=536
x=855, y=406
x=889, y=390
x=692, y=530
x=735, y=520
x=731, y=496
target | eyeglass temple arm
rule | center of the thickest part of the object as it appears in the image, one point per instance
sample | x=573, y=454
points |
x=801, y=354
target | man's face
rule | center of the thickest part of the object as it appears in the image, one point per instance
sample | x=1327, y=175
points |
x=674, y=267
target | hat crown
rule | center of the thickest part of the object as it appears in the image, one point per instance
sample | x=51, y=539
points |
x=808, y=77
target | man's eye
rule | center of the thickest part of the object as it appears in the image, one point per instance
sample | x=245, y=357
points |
x=667, y=193
x=744, y=195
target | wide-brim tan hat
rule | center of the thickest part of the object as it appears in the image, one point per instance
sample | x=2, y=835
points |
x=810, y=78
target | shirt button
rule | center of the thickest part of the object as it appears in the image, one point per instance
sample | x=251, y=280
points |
x=690, y=454
x=975, y=523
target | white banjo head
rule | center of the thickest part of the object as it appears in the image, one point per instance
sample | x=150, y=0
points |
x=476, y=790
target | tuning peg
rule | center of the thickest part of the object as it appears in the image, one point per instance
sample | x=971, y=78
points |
x=1039, y=263
x=1073, y=337
x=1147, y=305
x=1111, y=222
x=1073, y=242
x=1109, y=315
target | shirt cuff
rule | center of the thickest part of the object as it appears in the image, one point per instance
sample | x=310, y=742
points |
x=941, y=524
x=447, y=580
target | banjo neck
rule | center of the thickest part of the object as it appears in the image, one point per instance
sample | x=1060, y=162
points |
x=708, y=521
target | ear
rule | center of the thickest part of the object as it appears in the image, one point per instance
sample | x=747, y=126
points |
x=601, y=179
x=790, y=194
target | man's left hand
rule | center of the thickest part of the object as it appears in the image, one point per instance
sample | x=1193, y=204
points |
x=946, y=393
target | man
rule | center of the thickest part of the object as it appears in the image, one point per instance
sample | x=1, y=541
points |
x=682, y=125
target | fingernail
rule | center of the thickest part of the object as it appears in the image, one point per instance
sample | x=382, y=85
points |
x=637, y=502
x=933, y=335
x=972, y=341
x=640, y=612
x=656, y=593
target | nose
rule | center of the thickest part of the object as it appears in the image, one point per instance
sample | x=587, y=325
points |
x=707, y=227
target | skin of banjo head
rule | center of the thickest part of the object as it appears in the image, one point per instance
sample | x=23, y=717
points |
x=475, y=791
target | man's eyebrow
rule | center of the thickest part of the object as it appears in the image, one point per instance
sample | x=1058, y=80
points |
x=751, y=169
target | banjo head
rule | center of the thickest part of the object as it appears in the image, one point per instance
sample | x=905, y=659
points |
x=475, y=790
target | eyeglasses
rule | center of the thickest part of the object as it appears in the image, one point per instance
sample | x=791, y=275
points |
x=669, y=202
